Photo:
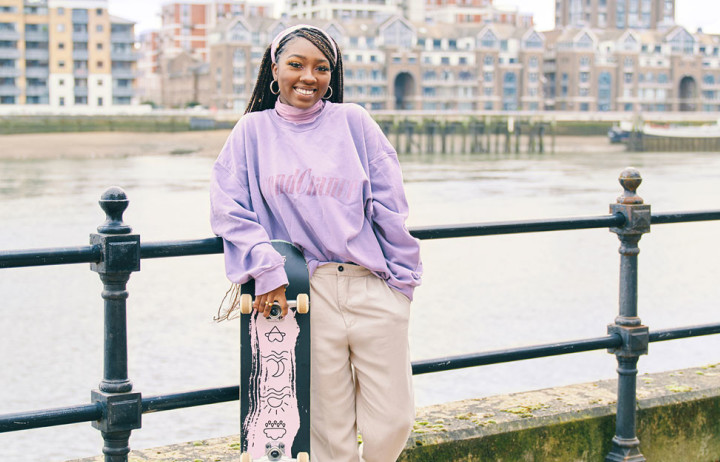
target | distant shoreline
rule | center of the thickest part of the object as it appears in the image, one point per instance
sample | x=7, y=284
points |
x=89, y=145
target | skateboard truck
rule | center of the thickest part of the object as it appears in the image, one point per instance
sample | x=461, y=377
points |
x=276, y=453
x=302, y=304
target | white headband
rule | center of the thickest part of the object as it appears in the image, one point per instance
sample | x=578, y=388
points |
x=282, y=34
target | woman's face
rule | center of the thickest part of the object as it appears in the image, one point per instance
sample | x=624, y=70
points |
x=302, y=72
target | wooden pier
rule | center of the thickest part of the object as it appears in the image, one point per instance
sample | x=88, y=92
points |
x=467, y=134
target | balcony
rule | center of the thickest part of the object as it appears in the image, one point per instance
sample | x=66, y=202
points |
x=122, y=37
x=37, y=36
x=123, y=56
x=37, y=90
x=81, y=72
x=123, y=92
x=80, y=36
x=9, y=90
x=123, y=74
x=80, y=17
x=39, y=54
x=80, y=55
x=81, y=91
x=9, y=53
x=11, y=35
x=9, y=72
x=37, y=72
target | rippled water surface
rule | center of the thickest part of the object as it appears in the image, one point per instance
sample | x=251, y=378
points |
x=479, y=294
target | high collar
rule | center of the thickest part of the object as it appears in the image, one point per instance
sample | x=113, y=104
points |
x=296, y=115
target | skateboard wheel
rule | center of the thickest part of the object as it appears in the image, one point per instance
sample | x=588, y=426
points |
x=245, y=457
x=246, y=308
x=303, y=457
x=303, y=303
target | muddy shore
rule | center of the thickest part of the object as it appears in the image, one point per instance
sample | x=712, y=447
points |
x=198, y=143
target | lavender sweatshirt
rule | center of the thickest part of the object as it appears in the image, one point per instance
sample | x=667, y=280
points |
x=333, y=187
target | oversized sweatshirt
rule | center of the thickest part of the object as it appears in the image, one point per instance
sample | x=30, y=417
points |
x=333, y=187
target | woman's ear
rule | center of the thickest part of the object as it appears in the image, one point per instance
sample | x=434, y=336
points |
x=273, y=68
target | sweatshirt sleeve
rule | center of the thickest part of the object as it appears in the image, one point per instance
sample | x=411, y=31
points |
x=389, y=210
x=247, y=248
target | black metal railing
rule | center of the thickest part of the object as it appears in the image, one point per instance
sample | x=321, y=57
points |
x=115, y=252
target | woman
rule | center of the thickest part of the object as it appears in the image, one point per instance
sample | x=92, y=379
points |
x=302, y=167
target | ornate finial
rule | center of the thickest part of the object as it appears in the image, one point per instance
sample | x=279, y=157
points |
x=114, y=201
x=630, y=180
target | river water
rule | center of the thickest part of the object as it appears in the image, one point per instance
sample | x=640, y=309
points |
x=479, y=294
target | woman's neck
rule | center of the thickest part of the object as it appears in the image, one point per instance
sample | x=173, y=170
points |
x=296, y=115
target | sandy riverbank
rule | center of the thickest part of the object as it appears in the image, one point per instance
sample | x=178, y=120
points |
x=200, y=143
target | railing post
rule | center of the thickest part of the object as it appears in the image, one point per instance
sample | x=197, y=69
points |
x=122, y=409
x=635, y=336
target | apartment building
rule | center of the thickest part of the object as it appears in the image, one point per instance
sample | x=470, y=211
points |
x=185, y=25
x=632, y=70
x=615, y=14
x=393, y=64
x=150, y=51
x=344, y=10
x=65, y=53
x=474, y=11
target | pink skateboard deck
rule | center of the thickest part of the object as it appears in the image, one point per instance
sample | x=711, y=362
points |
x=275, y=372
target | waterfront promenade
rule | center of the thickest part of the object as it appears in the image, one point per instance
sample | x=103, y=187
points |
x=679, y=422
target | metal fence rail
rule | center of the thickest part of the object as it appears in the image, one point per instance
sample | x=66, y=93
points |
x=115, y=252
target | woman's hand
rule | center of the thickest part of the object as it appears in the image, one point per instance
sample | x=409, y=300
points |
x=264, y=302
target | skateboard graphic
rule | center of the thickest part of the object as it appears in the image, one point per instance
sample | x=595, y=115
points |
x=275, y=370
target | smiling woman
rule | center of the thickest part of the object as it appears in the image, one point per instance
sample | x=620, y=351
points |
x=303, y=168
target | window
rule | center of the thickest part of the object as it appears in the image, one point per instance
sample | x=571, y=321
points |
x=99, y=28
x=488, y=40
x=61, y=45
x=61, y=64
x=99, y=46
x=100, y=64
x=488, y=60
x=60, y=11
x=61, y=101
x=100, y=101
x=98, y=11
x=61, y=27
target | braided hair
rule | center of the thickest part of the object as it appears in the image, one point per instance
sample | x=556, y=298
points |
x=262, y=98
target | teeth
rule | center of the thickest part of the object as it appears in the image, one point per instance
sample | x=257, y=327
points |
x=302, y=91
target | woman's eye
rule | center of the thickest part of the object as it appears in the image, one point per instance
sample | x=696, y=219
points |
x=324, y=69
x=296, y=65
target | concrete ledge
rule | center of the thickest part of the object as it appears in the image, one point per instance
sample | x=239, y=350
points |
x=679, y=420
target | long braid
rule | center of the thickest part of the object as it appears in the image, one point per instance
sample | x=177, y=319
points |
x=262, y=98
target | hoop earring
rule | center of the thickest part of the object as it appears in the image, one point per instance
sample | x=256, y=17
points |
x=278, y=87
x=331, y=93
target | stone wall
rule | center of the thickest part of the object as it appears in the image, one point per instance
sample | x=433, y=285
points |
x=678, y=421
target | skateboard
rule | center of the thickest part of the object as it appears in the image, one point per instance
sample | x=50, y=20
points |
x=275, y=370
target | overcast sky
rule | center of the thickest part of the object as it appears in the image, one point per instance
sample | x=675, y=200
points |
x=690, y=13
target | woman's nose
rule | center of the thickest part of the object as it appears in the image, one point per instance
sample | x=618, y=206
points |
x=308, y=76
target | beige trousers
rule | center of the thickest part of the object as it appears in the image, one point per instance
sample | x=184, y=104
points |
x=361, y=374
